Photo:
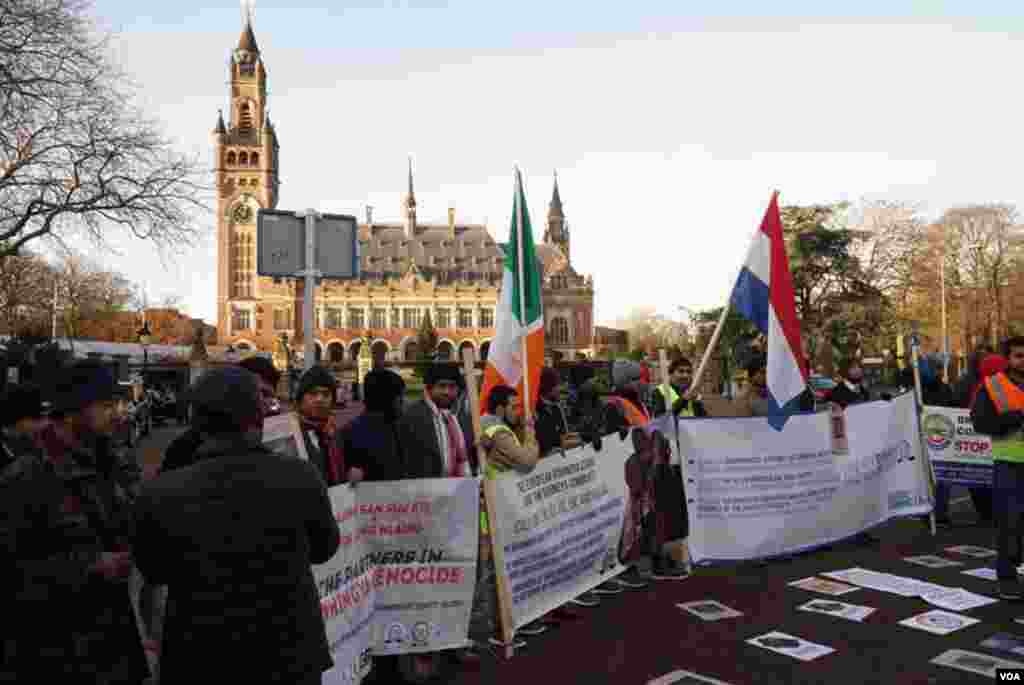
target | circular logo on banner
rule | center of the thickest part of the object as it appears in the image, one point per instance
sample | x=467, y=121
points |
x=421, y=633
x=394, y=636
x=939, y=430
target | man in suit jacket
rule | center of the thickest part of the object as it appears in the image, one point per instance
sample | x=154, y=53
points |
x=430, y=426
x=242, y=602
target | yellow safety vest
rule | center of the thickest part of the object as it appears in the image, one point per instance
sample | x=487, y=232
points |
x=1006, y=397
x=492, y=469
x=671, y=397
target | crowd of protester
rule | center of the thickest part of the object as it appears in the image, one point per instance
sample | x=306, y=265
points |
x=222, y=573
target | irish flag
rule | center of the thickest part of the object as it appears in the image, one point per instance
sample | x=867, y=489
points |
x=517, y=351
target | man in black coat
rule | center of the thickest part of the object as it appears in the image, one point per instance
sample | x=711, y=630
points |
x=233, y=537
x=424, y=424
x=182, y=450
x=65, y=525
x=373, y=451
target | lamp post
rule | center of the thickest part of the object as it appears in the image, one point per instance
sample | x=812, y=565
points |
x=144, y=336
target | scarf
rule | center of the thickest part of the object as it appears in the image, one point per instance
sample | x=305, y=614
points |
x=456, y=445
x=326, y=432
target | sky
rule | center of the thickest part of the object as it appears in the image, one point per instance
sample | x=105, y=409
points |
x=669, y=123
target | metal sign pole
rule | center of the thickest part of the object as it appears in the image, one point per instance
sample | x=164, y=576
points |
x=310, y=273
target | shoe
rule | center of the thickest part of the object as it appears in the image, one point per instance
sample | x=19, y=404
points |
x=630, y=580
x=533, y=629
x=1010, y=590
x=667, y=571
x=607, y=589
x=586, y=600
x=516, y=644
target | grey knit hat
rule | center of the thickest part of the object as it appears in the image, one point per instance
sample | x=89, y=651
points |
x=226, y=399
x=625, y=372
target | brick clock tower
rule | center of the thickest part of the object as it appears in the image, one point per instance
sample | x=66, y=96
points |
x=245, y=162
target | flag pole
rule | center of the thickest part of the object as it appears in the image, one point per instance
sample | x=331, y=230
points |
x=926, y=461
x=521, y=216
x=713, y=343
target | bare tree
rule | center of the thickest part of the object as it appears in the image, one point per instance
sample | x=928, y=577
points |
x=26, y=297
x=888, y=243
x=88, y=293
x=75, y=155
x=983, y=251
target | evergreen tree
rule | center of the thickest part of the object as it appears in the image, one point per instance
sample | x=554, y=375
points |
x=426, y=345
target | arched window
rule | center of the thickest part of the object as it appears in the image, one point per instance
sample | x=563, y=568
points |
x=232, y=159
x=245, y=116
x=254, y=159
x=354, y=350
x=412, y=350
x=485, y=350
x=445, y=351
x=243, y=159
x=336, y=352
x=559, y=331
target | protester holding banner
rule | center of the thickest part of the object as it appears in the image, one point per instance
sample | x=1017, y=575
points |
x=371, y=443
x=551, y=423
x=316, y=398
x=430, y=426
x=671, y=394
x=233, y=537
x=999, y=412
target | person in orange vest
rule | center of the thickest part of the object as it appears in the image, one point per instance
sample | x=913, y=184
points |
x=999, y=413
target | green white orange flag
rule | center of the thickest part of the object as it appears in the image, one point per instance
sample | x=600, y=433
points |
x=517, y=351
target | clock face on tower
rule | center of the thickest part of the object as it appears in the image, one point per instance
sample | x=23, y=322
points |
x=242, y=213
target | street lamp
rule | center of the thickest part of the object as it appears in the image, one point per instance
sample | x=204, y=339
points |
x=144, y=336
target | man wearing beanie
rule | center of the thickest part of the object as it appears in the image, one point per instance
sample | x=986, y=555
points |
x=371, y=445
x=233, y=537
x=21, y=422
x=64, y=527
x=182, y=450
x=315, y=399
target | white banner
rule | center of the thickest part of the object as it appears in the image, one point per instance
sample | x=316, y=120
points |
x=559, y=526
x=422, y=537
x=755, y=492
x=347, y=596
x=958, y=454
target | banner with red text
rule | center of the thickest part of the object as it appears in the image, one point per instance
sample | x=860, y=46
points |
x=421, y=539
x=347, y=596
x=959, y=455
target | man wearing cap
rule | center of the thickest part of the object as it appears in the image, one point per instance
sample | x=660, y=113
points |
x=315, y=399
x=21, y=422
x=233, y=537
x=182, y=450
x=65, y=526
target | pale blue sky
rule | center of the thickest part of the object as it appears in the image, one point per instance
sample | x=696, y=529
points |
x=669, y=122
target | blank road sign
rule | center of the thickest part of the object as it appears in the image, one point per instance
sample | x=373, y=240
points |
x=337, y=246
x=280, y=243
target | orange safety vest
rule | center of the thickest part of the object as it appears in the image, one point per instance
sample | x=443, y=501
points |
x=1006, y=396
x=635, y=416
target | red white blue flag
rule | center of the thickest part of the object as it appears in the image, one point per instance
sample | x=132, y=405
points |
x=764, y=296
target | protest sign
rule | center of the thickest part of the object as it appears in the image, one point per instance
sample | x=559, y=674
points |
x=959, y=455
x=559, y=527
x=347, y=596
x=421, y=537
x=282, y=434
x=755, y=492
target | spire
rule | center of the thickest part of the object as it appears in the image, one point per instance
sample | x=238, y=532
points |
x=220, y=128
x=410, y=198
x=555, y=208
x=247, y=41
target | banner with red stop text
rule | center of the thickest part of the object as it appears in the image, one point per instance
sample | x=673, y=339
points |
x=959, y=455
x=421, y=539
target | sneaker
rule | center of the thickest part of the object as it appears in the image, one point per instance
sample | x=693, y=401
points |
x=533, y=629
x=667, y=571
x=1010, y=590
x=516, y=644
x=586, y=600
x=607, y=589
x=630, y=580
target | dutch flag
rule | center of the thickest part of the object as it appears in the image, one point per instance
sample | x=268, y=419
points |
x=764, y=296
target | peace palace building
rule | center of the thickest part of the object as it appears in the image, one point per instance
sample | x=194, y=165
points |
x=451, y=270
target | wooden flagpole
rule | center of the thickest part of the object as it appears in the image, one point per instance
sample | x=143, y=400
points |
x=488, y=548
x=926, y=461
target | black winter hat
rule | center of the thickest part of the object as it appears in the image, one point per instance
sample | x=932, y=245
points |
x=226, y=399
x=20, y=402
x=316, y=377
x=442, y=371
x=380, y=388
x=81, y=385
